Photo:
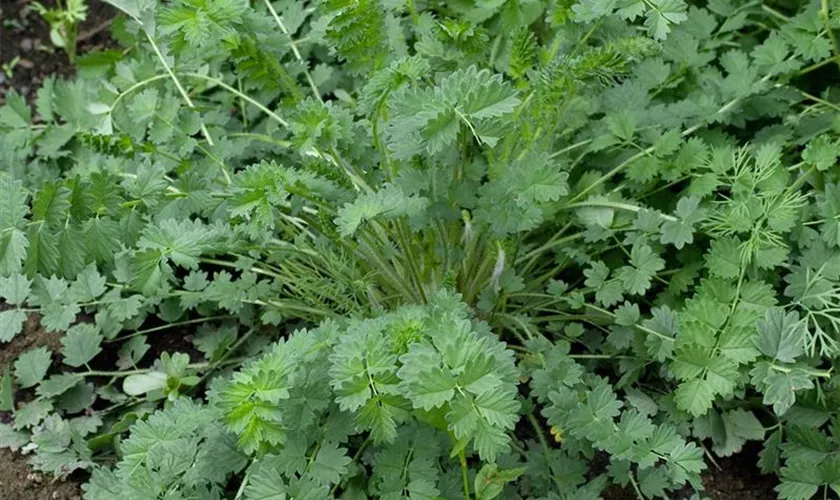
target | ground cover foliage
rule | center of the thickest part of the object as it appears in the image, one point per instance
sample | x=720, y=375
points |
x=429, y=249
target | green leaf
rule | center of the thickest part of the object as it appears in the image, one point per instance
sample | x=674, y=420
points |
x=800, y=481
x=58, y=317
x=645, y=264
x=821, y=152
x=11, y=323
x=58, y=384
x=724, y=258
x=51, y=204
x=12, y=439
x=15, y=288
x=781, y=336
x=739, y=426
x=7, y=392
x=81, y=344
x=32, y=365
x=330, y=463
x=680, y=232
x=89, y=285
x=390, y=203
x=32, y=413
x=779, y=385
x=589, y=10
x=433, y=389
x=264, y=483
x=490, y=480
x=43, y=253
x=144, y=104
x=768, y=457
x=695, y=396
x=13, y=213
x=662, y=15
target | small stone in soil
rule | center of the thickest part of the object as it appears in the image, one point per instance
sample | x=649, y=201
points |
x=26, y=44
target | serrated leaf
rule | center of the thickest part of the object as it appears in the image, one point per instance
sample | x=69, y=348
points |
x=15, y=288
x=781, y=336
x=330, y=463
x=694, y=396
x=7, y=394
x=11, y=323
x=490, y=480
x=32, y=365
x=58, y=384
x=81, y=344
x=11, y=438
x=88, y=286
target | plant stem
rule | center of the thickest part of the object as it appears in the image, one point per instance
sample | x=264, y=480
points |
x=295, y=51
x=465, y=477
x=224, y=358
x=274, y=116
x=826, y=19
x=636, y=487
x=178, y=85
x=167, y=327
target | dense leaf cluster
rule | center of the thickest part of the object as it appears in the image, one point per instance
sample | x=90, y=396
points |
x=352, y=249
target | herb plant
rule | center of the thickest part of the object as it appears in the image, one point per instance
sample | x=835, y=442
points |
x=64, y=20
x=429, y=250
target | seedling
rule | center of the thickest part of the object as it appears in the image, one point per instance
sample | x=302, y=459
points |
x=9, y=67
x=64, y=20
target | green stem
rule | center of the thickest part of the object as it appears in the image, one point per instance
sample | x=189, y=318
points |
x=167, y=327
x=241, y=491
x=177, y=82
x=540, y=436
x=552, y=243
x=402, y=233
x=274, y=116
x=636, y=487
x=813, y=373
x=262, y=137
x=826, y=18
x=134, y=87
x=295, y=51
x=465, y=477
x=225, y=357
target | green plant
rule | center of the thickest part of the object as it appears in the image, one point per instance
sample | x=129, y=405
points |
x=9, y=67
x=429, y=250
x=64, y=23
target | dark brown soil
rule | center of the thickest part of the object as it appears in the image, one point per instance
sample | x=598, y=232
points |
x=24, y=34
x=739, y=479
x=17, y=481
x=31, y=337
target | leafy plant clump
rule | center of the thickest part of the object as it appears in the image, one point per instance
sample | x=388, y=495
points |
x=351, y=249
